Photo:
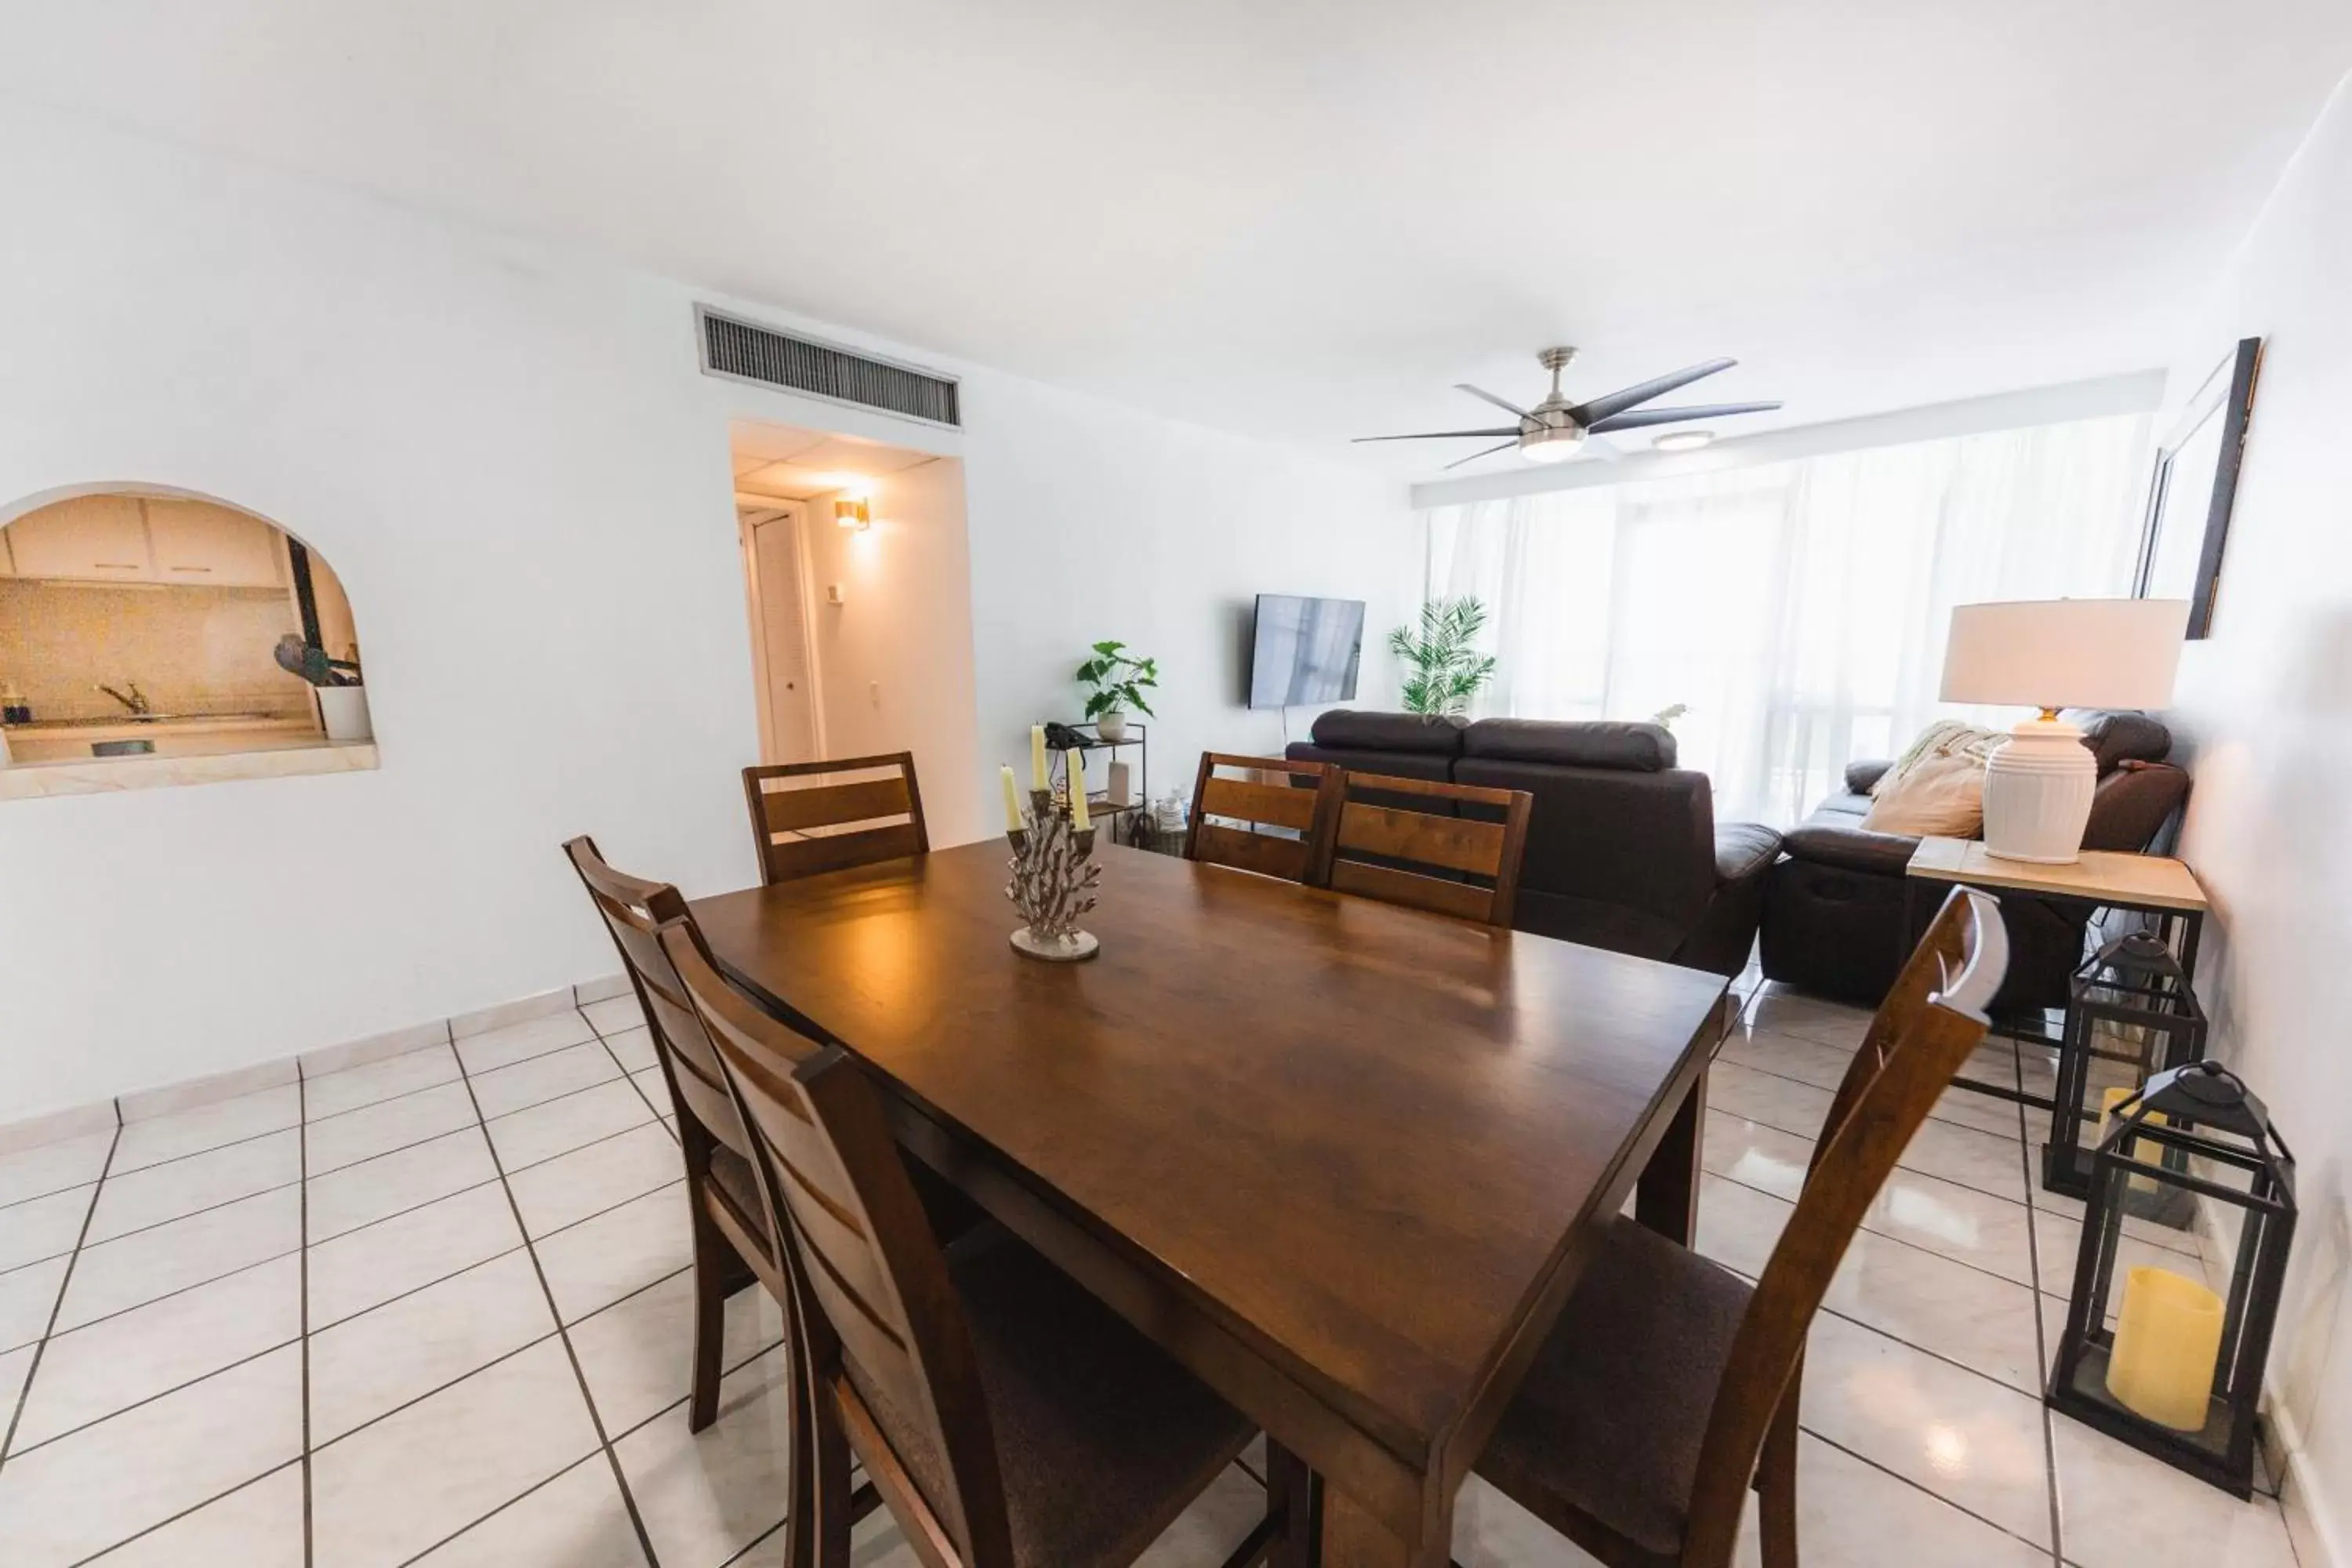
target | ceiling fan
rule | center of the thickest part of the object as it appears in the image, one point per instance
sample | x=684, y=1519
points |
x=1555, y=428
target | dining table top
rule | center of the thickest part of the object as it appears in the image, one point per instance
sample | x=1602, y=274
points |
x=1362, y=1138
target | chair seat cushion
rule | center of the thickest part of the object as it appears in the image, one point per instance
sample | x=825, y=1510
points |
x=1102, y=1439
x=1607, y=1426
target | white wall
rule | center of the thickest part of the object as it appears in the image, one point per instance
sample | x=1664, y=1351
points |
x=2266, y=707
x=508, y=455
x=894, y=665
x=1091, y=522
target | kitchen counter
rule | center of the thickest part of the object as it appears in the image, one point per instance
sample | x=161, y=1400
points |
x=232, y=754
x=70, y=740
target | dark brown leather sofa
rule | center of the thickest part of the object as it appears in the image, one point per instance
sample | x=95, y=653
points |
x=1623, y=851
x=1837, y=919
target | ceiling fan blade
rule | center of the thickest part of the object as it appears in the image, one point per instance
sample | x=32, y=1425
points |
x=1642, y=416
x=1488, y=453
x=1600, y=447
x=1591, y=414
x=1481, y=392
x=1440, y=436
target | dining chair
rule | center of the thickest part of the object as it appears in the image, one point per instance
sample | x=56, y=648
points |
x=731, y=1244
x=1453, y=849
x=1245, y=804
x=808, y=817
x=1670, y=1386
x=1007, y=1417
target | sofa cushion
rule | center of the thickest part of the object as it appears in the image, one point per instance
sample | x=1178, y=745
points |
x=1833, y=839
x=2132, y=804
x=1645, y=748
x=1403, y=764
x=2119, y=736
x=1643, y=841
x=1352, y=730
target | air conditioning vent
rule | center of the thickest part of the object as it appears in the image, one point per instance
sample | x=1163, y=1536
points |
x=770, y=358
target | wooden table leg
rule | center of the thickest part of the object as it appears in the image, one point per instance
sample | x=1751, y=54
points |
x=1290, y=1501
x=1666, y=1197
x=1352, y=1538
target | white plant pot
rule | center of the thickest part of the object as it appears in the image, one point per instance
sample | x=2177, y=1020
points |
x=1111, y=726
x=345, y=711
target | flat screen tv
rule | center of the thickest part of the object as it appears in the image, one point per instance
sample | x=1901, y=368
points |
x=1305, y=651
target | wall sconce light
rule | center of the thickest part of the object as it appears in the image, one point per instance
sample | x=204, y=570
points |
x=853, y=514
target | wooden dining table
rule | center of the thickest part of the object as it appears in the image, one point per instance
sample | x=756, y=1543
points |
x=1342, y=1160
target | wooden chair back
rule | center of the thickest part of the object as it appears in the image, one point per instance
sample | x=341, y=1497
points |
x=808, y=817
x=634, y=911
x=1921, y=1037
x=880, y=1315
x=1253, y=801
x=1383, y=846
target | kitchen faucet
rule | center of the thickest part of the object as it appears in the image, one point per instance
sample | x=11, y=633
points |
x=132, y=698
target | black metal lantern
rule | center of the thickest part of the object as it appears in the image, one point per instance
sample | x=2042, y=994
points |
x=2166, y=1364
x=2130, y=1014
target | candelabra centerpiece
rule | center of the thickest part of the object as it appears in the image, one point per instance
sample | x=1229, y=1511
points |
x=1053, y=874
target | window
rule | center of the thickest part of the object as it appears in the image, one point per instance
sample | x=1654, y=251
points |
x=1795, y=610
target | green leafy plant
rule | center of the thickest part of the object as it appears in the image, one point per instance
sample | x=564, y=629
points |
x=1116, y=681
x=1665, y=717
x=1443, y=667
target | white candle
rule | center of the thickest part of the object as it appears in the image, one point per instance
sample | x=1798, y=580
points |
x=1037, y=756
x=1011, y=801
x=1078, y=818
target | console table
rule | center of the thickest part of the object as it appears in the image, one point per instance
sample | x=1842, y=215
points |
x=2143, y=884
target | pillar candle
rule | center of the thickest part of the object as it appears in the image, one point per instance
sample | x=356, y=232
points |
x=1078, y=817
x=2167, y=1342
x=1037, y=756
x=1012, y=802
x=2147, y=1151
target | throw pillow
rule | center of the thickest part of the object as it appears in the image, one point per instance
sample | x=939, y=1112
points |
x=1937, y=786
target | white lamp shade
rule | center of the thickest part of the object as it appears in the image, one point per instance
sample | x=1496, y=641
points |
x=2066, y=653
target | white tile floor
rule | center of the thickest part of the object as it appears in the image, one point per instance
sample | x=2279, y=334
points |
x=434, y=1309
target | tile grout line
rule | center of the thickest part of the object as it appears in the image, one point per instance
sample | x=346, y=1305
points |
x=174, y=1519
x=1951, y=1503
x=33, y=1371
x=145, y=1400
x=596, y=1416
x=356, y=1230
x=302, y=1237
x=1884, y=1236
x=2041, y=1336
x=607, y=1041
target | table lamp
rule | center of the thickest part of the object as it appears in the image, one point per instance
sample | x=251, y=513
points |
x=2048, y=655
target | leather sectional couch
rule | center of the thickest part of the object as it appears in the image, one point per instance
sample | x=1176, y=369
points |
x=1837, y=918
x=1624, y=851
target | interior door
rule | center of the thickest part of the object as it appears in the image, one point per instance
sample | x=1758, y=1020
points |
x=780, y=636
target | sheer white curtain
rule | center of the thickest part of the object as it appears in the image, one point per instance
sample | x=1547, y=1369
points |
x=1796, y=610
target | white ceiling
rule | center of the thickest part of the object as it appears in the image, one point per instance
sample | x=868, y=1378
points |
x=788, y=463
x=1307, y=218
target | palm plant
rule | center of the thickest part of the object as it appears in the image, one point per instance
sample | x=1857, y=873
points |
x=1443, y=667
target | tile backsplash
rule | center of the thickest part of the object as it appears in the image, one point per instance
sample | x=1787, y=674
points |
x=192, y=650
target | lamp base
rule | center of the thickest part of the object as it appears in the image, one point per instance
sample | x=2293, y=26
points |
x=2037, y=797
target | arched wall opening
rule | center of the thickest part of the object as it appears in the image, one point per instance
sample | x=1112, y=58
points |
x=142, y=626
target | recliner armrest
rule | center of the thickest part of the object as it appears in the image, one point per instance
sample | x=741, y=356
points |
x=1852, y=848
x=1743, y=849
x=1863, y=776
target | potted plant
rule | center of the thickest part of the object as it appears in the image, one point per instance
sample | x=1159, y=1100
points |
x=1443, y=668
x=1116, y=683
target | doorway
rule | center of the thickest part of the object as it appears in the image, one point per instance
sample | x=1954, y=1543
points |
x=783, y=661
x=858, y=590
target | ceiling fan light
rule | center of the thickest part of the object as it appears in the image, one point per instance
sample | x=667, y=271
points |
x=1683, y=440
x=1552, y=445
